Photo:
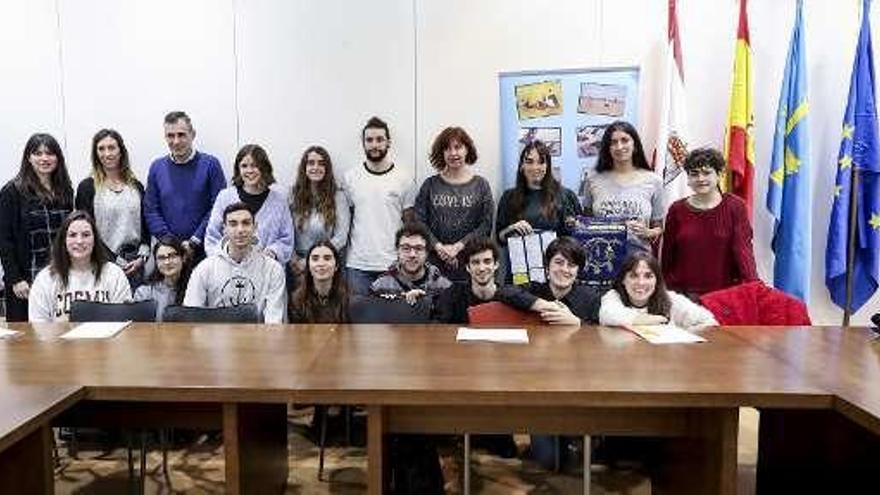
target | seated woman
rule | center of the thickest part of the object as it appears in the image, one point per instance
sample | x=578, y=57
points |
x=322, y=294
x=707, y=245
x=77, y=271
x=167, y=284
x=562, y=300
x=639, y=297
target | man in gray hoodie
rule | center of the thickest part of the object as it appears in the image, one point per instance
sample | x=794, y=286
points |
x=239, y=273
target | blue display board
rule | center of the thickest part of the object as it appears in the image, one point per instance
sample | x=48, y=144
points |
x=568, y=110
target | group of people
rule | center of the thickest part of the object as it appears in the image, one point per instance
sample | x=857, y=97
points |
x=300, y=255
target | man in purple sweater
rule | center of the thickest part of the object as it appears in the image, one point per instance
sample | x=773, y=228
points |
x=181, y=187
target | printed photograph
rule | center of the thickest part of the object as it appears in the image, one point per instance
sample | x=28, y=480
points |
x=602, y=99
x=551, y=136
x=537, y=100
x=588, y=139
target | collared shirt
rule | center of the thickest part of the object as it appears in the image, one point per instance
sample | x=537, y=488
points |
x=188, y=159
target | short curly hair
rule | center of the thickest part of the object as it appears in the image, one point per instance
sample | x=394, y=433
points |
x=445, y=139
x=705, y=157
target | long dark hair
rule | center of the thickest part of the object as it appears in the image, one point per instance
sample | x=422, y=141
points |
x=27, y=181
x=98, y=172
x=324, y=200
x=305, y=299
x=550, y=187
x=185, y=267
x=60, y=264
x=606, y=162
x=658, y=303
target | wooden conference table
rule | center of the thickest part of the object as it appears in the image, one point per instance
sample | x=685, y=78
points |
x=416, y=378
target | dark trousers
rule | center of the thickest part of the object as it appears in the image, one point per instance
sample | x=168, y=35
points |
x=16, y=309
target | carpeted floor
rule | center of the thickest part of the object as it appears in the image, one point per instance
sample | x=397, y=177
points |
x=197, y=467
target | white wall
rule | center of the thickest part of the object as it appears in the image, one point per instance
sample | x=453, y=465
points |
x=287, y=74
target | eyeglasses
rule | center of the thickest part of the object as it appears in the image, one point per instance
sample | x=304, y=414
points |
x=409, y=248
x=167, y=257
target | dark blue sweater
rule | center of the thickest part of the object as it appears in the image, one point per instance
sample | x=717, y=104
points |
x=179, y=196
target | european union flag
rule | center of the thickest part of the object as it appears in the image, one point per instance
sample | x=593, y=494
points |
x=858, y=152
x=789, y=195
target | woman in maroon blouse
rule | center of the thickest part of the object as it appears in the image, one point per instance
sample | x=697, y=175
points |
x=707, y=244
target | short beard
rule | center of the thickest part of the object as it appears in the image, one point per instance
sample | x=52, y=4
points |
x=381, y=157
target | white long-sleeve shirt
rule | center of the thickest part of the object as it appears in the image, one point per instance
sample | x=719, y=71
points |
x=50, y=301
x=683, y=312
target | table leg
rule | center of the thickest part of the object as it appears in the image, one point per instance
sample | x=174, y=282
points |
x=26, y=466
x=255, y=444
x=376, y=450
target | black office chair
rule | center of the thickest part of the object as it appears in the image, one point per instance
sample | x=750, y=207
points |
x=82, y=311
x=372, y=309
x=245, y=313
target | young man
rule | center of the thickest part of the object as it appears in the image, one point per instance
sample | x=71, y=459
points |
x=481, y=287
x=181, y=187
x=411, y=276
x=239, y=273
x=567, y=302
x=380, y=193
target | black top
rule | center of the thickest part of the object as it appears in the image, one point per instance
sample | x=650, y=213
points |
x=254, y=201
x=452, y=304
x=567, y=206
x=583, y=301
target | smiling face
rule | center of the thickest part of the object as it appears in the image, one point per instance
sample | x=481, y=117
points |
x=322, y=264
x=43, y=161
x=412, y=252
x=533, y=169
x=482, y=267
x=239, y=228
x=169, y=262
x=251, y=176
x=622, y=147
x=561, y=272
x=80, y=241
x=108, y=153
x=179, y=136
x=640, y=283
x=316, y=167
x=703, y=180
x=376, y=144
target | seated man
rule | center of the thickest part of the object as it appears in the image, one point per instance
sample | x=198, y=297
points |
x=411, y=276
x=481, y=287
x=563, y=300
x=239, y=273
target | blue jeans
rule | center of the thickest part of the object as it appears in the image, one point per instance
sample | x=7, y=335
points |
x=359, y=281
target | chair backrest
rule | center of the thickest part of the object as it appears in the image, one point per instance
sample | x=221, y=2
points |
x=370, y=309
x=245, y=313
x=81, y=311
x=754, y=303
x=498, y=313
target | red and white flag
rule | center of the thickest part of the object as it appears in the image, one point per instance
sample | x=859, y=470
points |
x=672, y=135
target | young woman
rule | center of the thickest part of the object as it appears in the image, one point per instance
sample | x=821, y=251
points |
x=79, y=270
x=455, y=204
x=639, y=297
x=32, y=207
x=538, y=202
x=707, y=242
x=562, y=301
x=251, y=184
x=114, y=198
x=318, y=206
x=624, y=187
x=322, y=294
x=167, y=284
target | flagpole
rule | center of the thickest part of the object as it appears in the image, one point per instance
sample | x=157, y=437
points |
x=851, y=244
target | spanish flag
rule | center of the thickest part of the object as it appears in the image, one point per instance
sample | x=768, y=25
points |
x=739, y=141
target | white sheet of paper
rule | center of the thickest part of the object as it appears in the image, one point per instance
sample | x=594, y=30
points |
x=534, y=254
x=665, y=334
x=7, y=333
x=95, y=330
x=502, y=335
x=516, y=249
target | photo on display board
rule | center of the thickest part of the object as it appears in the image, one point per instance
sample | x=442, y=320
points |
x=550, y=136
x=602, y=99
x=588, y=139
x=538, y=100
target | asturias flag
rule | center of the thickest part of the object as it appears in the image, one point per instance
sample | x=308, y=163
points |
x=739, y=143
x=789, y=192
x=858, y=152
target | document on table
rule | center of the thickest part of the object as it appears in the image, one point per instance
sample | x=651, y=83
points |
x=95, y=330
x=665, y=334
x=501, y=335
x=6, y=333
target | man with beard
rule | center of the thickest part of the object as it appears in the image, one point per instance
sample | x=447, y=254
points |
x=482, y=264
x=380, y=194
x=239, y=273
x=411, y=277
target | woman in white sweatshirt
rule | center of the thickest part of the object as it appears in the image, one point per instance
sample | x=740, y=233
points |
x=76, y=272
x=639, y=297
